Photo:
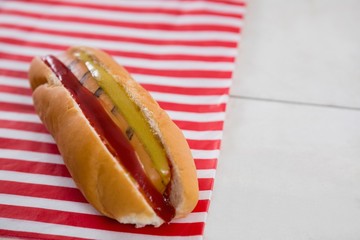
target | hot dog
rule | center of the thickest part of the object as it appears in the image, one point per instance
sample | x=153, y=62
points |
x=125, y=154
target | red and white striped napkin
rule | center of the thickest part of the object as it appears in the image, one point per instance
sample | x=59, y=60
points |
x=182, y=51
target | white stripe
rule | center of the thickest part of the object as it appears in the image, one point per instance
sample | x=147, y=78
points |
x=14, y=65
x=142, y=79
x=206, y=173
x=189, y=134
x=35, y=136
x=205, y=154
x=47, y=138
x=51, y=180
x=180, y=82
x=36, y=179
x=26, y=135
x=175, y=64
x=123, y=32
x=76, y=207
x=196, y=117
x=174, y=115
x=189, y=99
x=80, y=232
x=56, y=159
x=31, y=156
x=16, y=98
x=26, y=50
x=202, y=135
x=60, y=205
x=45, y=203
x=15, y=82
x=191, y=218
x=205, y=195
x=140, y=63
x=22, y=117
x=196, y=5
x=125, y=46
x=122, y=15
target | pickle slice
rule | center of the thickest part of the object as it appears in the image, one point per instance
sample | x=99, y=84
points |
x=131, y=113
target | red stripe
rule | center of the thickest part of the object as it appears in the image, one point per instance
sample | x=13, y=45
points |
x=51, y=168
x=204, y=144
x=23, y=108
x=150, y=87
x=95, y=222
x=38, y=127
x=61, y=193
x=200, y=126
x=184, y=125
x=181, y=73
x=34, y=167
x=23, y=42
x=154, y=72
x=26, y=126
x=108, y=37
x=13, y=73
x=203, y=108
x=42, y=191
x=45, y=147
x=117, y=23
x=227, y=2
x=18, y=144
x=31, y=235
x=43, y=168
x=186, y=90
x=159, y=88
x=147, y=71
x=192, y=108
x=202, y=206
x=17, y=90
x=58, y=193
x=206, y=163
x=143, y=10
x=211, y=58
x=11, y=56
x=185, y=57
x=29, y=145
x=206, y=184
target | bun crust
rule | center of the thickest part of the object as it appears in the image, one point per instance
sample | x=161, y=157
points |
x=98, y=175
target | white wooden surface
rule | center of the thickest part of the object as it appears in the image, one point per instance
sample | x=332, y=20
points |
x=290, y=158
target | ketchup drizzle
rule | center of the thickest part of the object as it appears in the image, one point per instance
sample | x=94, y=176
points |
x=113, y=138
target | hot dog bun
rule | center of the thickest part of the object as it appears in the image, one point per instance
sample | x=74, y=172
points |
x=104, y=182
